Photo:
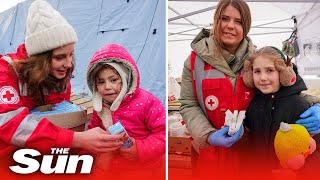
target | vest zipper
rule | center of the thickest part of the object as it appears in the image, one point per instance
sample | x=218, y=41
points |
x=235, y=86
x=234, y=100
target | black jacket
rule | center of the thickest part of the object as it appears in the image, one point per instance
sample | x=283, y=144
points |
x=263, y=118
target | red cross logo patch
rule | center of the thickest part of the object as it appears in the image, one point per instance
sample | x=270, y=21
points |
x=8, y=95
x=211, y=102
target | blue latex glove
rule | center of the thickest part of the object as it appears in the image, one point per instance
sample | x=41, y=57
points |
x=310, y=119
x=221, y=137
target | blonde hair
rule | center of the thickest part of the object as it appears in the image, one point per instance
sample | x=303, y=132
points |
x=287, y=70
x=35, y=71
x=245, y=14
x=268, y=52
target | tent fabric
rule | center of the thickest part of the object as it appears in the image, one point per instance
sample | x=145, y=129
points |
x=309, y=42
x=137, y=25
x=272, y=24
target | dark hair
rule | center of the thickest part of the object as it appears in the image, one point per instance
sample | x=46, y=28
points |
x=99, y=68
x=35, y=72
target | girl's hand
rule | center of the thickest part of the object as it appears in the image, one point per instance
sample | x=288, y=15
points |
x=131, y=153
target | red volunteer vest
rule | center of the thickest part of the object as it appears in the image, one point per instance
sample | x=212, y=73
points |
x=215, y=95
x=49, y=98
x=26, y=100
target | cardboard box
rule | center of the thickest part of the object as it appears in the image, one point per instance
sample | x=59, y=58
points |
x=179, y=145
x=65, y=115
x=70, y=120
x=179, y=161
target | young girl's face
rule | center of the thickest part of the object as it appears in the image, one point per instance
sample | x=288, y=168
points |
x=108, y=84
x=61, y=61
x=231, y=27
x=265, y=76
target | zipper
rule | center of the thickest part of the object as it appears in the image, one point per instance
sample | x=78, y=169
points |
x=234, y=95
x=235, y=86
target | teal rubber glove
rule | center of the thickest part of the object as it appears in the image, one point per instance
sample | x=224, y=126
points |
x=221, y=137
x=310, y=119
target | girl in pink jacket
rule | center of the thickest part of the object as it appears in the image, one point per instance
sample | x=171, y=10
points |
x=114, y=81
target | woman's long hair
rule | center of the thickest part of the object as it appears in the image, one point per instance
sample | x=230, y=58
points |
x=245, y=14
x=35, y=72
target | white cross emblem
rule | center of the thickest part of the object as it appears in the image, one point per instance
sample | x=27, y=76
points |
x=8, y=95
x=211, y=102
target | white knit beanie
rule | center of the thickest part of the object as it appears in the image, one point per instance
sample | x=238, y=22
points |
x=46, y=29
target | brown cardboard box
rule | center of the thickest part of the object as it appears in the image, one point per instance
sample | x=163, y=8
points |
x=179, y=161
x=70, y=120
x=179, y=152
x=179, y=145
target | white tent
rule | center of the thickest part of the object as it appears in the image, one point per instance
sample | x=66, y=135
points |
x=272, y=23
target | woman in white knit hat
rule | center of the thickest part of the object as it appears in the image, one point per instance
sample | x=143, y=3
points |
x=37, y=74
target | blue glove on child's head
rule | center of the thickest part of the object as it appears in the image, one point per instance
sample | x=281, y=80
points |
x=311, y=119
x=221, y=137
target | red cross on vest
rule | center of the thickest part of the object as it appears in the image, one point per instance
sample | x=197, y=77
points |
x=8, y=95
x=211, y=102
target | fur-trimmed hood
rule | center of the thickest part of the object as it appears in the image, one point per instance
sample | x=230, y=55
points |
x=114, y=53
x=141, y=113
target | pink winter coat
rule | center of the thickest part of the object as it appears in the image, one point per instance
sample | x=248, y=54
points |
x=141, y=113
